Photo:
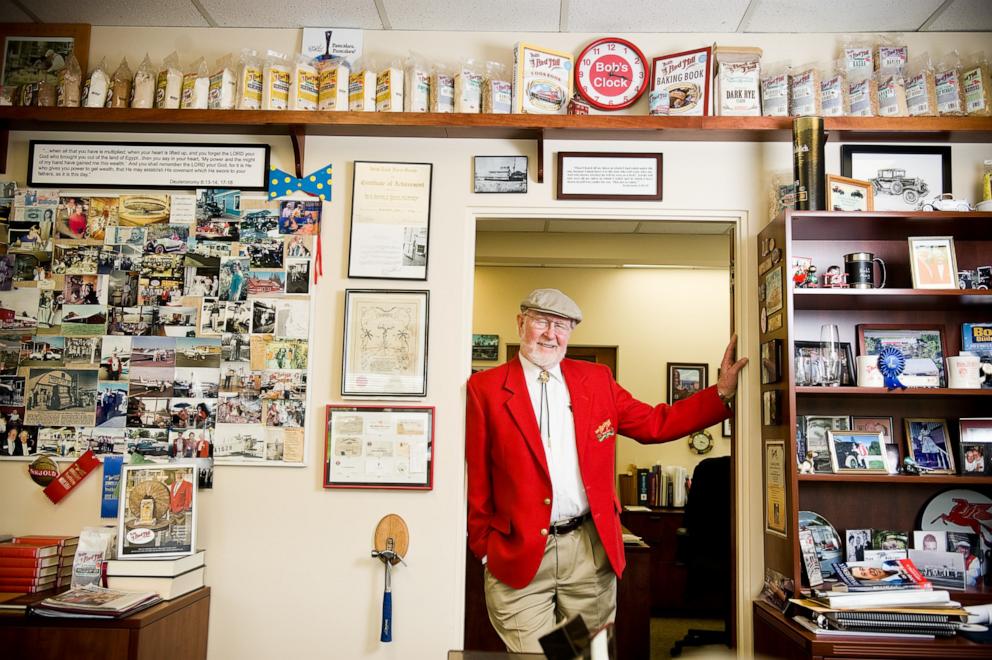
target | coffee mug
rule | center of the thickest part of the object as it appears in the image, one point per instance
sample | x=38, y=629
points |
x=868, y=373
x=963, y=372
x=860, y=269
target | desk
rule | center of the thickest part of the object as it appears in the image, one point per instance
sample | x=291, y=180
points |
x=173, y=630
x=777, y=637
x=659, y=529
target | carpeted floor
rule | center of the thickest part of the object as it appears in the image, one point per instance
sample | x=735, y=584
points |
x=666, y=631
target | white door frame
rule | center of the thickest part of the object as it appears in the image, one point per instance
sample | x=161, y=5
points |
x=747, y=462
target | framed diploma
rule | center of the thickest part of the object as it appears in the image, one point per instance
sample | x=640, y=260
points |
x=390, y=220
x=385, y=343
x=379, y=447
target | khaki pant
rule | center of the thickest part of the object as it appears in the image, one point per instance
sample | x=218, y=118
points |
x=575, y=577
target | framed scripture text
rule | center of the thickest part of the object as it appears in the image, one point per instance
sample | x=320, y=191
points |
x=609, y=176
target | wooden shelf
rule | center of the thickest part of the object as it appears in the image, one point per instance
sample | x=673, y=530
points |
x=888, y=225
x=889, y=299
x=922, y=480
x=882, y=392
x=596, y=126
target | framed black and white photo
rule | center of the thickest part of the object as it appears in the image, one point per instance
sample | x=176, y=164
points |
x=390, y=220
x=900, y=176
x=385, y=343
x=685, y=379
x=500, y=174
x=485, y=347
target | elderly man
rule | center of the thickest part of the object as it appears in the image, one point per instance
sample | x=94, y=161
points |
x=542, y=510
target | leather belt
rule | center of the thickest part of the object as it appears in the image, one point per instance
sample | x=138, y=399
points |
x=570, y=525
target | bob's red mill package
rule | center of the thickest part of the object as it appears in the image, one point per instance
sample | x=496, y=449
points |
x=542, y=80
x=686, y=77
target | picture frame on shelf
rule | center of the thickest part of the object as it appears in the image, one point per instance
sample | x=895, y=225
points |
x=806, y=357
x=934, y=262
x=385, y=342
x=157, y=515
x=883, y=425
x=26, y=47
x=901, y=176
x=500, y=174
x=379, y=447
x=923, y=345
x=815, y=430
x=975, y=446
x=857, y=451
x=485, y=347
x=390, y=220
x=847, y=194
x=685, y=379
x=928, y=443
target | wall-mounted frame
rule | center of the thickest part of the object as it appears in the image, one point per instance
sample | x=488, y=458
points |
x=846, y=194
x=685, y=379
x=385, y=343
x=500, y=174
x=379, y=447
x=934, y=262
x=390, y=220
x=900, y=175
x=25, y=45
x=104, y=164
x=618, y=176
x=485, y=347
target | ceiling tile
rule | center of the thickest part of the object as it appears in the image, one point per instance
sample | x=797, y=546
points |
x=294, y=13
x=593, y=226
x=964, y=16
x=158, y=13
x=600, y=17
x=10, y=13
x=474, y=15
x=838, y=15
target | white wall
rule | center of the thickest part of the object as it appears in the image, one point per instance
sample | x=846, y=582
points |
x=289, y=562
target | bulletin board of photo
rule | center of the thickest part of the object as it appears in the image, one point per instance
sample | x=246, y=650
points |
x=170, y=326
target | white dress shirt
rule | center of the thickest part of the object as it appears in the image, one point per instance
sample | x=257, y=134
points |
x=569, y=493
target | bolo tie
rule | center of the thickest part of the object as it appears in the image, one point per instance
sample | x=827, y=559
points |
x=545, y=409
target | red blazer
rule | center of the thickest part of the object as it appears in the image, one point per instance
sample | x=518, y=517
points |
x=509, y=487
x=180, y=496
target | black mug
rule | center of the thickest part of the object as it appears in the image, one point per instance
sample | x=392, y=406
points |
x=860, y=269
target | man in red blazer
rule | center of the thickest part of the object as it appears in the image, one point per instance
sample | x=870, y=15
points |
x=543, y=514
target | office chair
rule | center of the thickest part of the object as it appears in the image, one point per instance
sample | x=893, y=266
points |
x=704, y=547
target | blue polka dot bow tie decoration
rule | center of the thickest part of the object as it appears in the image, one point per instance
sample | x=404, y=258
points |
x=317, y=183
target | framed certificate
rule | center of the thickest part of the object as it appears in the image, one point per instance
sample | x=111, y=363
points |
x=385, y=343
x=390, y=220
x=379, y=447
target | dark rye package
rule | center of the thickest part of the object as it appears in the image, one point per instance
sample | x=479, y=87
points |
x=686, y=78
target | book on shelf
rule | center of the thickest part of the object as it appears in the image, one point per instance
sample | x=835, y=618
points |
x=934, y=627
x=829, y=632
x=29, y=562
x=845, y=600
x=892, y=575
x=41, y=539
x=92, y=601
x=950, y=611
x=27, y=571
x=156, y=567
x=642, y=486
x=166, y=587
x=11, y=549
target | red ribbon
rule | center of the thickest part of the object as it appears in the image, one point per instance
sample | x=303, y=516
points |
x=72, y=476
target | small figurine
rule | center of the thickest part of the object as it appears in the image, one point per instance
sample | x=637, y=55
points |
x=811, y=281
x=806, y=467
x=835, y=278
x=910, y=467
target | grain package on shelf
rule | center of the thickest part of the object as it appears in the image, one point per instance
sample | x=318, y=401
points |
x=738, y=81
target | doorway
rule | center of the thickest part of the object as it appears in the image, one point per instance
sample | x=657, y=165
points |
x=602, y=259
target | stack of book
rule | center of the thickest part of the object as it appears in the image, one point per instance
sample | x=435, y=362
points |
x=28, y=568
x=67, y=553
x=93, y=602
x=169, y=578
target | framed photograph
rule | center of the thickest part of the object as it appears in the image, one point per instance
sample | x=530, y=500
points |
x=922, y=345
x=854, y=451
x=975, y=448
x=32, y=49
x=500, y=174
x=385, y=343
x=808, y=363
x=771, y=361
x=934, y=263
x=773, y=290
x=609, y=176
x=800, y=270
x=900, y=176
x=685, y=379
x=157, y=514
x=815, y=429
x=485, y=347
x=770, y=404
x=845, y=194
x=390, y=220
x=379, y=447
x=881, y=425
x=928, y=443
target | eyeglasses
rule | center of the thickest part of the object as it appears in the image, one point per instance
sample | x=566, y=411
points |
x=542, y=323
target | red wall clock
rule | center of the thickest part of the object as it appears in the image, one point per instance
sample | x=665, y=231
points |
x=611, y=73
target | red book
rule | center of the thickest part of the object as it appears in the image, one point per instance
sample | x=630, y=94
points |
x=23, y=589
x=41, y=539
x=28, y=550
x=20, y=562
x=26, y=582
x=7, y=572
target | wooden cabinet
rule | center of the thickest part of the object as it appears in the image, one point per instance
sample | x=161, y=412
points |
x=168, y=631
x=659, y=529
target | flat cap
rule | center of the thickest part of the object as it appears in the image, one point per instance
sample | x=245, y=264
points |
x=552, y=301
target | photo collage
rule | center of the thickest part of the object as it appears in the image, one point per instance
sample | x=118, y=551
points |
x=134, y=324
